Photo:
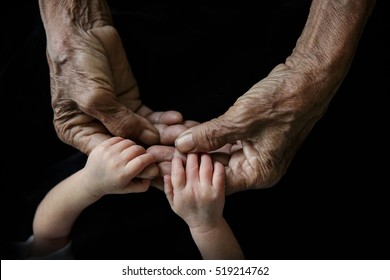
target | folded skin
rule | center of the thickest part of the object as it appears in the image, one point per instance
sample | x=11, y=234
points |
x=94, y=93
x=274, y=117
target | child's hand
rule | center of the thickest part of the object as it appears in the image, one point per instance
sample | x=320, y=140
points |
x=197, y=193
x=113, y=165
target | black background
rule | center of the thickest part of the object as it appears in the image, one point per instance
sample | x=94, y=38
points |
x=333, y=202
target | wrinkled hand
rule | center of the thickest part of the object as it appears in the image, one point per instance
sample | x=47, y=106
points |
x=265, y=126
x=95, y=95
x=274, y=117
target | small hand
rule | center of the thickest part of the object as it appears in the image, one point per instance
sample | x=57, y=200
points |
x=113, y=166
x=196, y=192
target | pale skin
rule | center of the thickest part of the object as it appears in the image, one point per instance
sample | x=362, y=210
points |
x=95, y=94
x=112, y=168
x=196, y=192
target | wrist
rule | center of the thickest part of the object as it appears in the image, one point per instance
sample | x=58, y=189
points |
x=329, y=39
x=204, y=228
x=86, y=190
x=67, y=19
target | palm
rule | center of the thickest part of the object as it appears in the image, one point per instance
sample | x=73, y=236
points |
x=252, y=167
x=95, y=95
x=114, y=73
x=84, y=86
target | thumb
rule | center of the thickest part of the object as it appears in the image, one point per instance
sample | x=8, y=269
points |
x=208, y=136
x=139, y=128
x=123, y=122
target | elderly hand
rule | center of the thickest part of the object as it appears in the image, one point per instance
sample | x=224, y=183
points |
x=266, y=126
x=274, y=117
x=94, y=93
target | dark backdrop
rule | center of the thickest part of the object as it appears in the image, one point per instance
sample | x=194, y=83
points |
x=198, y=59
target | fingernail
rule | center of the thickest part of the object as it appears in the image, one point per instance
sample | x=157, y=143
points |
x=149, y=137
x=185, y=143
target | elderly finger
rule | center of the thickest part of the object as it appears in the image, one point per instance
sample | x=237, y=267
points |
x=161, y=153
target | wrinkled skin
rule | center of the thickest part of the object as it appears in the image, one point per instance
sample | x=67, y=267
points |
x=94, y=93
x=95, y=96
x=269, y=122
x=263, y=129
x=266, y=126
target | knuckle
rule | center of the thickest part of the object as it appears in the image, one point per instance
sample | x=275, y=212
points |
x=212, y=135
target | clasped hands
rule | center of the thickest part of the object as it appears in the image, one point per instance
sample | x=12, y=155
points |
x=95, y=96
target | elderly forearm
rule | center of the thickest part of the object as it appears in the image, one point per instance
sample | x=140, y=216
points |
x=329, y=39
x=63, y=18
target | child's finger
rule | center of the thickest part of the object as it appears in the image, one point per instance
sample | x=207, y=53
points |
x=138, y=185
x=192, y=167
x=178, y=175
x=218, y=180
x=135, y=166
x=130, y=152
x=168, y=189
x=205, y=170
